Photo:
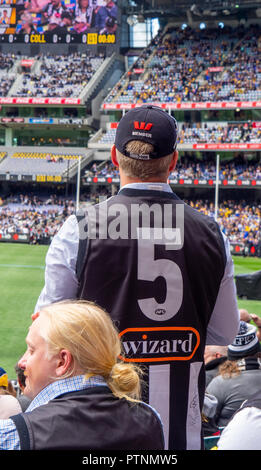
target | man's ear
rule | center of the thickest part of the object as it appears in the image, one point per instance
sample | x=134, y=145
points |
x=64, y=362
x=174, y=161
x=114, y=156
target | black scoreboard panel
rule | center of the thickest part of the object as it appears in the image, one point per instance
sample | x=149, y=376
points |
x=92, y=22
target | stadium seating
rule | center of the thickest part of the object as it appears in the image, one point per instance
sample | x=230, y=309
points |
x=51, y=75
x=37, y=163
x=58, y=76
x=7, y=77
x=219, y=132
x=195, y=66
x=196, y=169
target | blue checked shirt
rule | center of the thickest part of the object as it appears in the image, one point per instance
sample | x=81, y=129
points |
x=9, y=438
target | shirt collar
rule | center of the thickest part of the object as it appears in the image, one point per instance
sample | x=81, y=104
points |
x=149, y=186
x=59, y=387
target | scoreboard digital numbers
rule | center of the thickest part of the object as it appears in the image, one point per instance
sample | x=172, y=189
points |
x=92, y=22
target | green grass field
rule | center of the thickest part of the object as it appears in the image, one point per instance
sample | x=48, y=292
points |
x=22, y=278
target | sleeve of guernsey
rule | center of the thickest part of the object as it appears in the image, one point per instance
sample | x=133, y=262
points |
x=60, y=265
x=224, y=322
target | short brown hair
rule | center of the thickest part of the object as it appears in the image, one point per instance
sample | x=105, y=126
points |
x=143, y=169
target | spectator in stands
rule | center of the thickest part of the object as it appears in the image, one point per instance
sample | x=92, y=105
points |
x=9, y=405
x=240, y=375
x=110, y=10
x=25, y=25
x=73, y=371
x=209, y=426
x=110, y=26
x=66, y=21
x=84, y=16
x=21, y=397
x=244, y=429
x=53, y=14
x=214, y=356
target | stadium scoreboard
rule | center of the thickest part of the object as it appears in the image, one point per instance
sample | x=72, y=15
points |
x=43, y=38
x=90, y=22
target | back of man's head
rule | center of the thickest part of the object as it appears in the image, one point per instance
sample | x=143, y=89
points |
x=146, y=139
x=244, y=315
x=214, y=352
x=143, y=170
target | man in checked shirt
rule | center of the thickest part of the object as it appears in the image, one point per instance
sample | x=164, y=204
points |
x=79, y=388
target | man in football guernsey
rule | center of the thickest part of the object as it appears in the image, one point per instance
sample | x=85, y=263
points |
x=161, y=269
x=52, y=14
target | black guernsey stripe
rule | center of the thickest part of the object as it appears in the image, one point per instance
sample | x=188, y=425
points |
x=22, y=431
x=178, y=407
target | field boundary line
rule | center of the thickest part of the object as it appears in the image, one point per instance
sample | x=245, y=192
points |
x=30, y=266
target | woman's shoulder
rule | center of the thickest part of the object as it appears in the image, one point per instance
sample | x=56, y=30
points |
x=9, y=406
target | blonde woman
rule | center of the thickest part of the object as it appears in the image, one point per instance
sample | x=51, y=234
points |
x=83, y=396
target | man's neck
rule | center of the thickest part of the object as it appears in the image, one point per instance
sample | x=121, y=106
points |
x=127, y=180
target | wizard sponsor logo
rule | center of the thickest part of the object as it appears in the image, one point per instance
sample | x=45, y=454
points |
x=159, y=344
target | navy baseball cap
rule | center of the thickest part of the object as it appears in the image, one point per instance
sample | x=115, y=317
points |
x=149, y=124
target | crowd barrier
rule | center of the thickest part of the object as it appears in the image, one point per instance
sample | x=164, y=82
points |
x=245, y=249
x=24, y=238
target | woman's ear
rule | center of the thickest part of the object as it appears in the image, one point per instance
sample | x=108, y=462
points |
x=64, y=362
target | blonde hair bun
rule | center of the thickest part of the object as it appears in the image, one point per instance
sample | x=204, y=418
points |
x=124, y=380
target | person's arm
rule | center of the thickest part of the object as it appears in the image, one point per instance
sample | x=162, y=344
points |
x=216, y=388
x=224, y=322
x=257, y=320
x=243, y=431
x=60, y=277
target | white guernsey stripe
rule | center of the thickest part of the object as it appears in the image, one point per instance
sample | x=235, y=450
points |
x=193, y=427
x=159, y=394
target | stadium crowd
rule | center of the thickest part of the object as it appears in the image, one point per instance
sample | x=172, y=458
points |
x=42, y=218
x=188, y=65
x=6, y=61
x=190, y=169
x=57, y=75
x=60, y=75
x=7, y=78
x=29, y=215
x=219, y=133
x=241, y=221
